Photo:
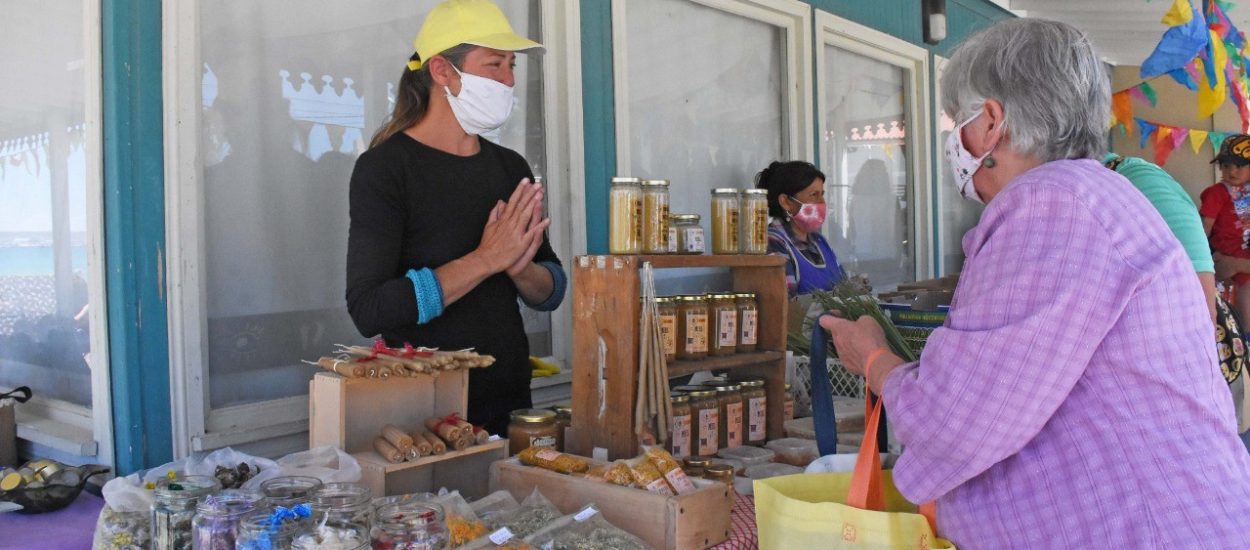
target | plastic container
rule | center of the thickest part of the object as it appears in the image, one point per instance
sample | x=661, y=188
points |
x=765, y=471
x=726, y=205
x=749, y=456
x=736, y=464
x=625, y=216
x=755, y=221
x=655, y=217
x=686, y=234
x=794, y=451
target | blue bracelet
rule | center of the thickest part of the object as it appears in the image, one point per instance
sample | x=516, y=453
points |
x=429, y=294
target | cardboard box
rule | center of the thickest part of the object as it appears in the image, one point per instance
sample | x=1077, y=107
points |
x=684, y=522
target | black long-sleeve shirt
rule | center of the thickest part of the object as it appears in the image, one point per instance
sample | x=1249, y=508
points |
x=415, y=207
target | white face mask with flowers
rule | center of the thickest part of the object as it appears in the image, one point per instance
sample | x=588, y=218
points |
x=963, y=163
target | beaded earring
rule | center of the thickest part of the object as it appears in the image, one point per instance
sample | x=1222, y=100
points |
x=990, y=162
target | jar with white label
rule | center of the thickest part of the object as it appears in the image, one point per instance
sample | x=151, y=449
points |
x=532, y=428
x=687, y=234
x=625, y=216
x=705, y=411
x=729, y=400
x=667, y=306
x=756, y=399
x=723, y=315
x=755, y=221
x=748, y=321
x=726, y=206
x=655, y=217
x=692, y=328
x=680, y=442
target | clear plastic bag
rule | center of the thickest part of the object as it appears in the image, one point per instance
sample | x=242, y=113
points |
x=496, y=502
x=256, y=471
x=328, y=464
x=585, y=530
x=463, y=525
x=532, y=515
x=123, y=523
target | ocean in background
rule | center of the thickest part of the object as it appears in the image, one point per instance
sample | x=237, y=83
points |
x=37, y=260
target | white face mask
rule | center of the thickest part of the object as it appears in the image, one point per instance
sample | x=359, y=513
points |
x=962, y=163
x=484, y=104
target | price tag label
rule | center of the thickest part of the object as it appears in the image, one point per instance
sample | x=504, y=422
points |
x=586, y=514
x=501, y=536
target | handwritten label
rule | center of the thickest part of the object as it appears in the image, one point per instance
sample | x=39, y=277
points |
x=750, y=324
x=709, y=436
x=696, y=332
x=727, y=328
x=681, y=435
x=756, y=416
x=733, y=425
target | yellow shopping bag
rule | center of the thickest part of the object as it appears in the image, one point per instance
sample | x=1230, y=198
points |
x=858, y=510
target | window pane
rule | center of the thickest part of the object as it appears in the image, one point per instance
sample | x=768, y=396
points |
x=681, y=132
x=870, y=181
x=43, y=229
x=958, y=215
x=292, y=92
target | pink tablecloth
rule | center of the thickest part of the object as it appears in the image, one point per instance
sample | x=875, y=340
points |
x=742, y=531
x=67, y=529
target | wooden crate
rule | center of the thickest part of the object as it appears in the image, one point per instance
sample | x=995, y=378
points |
x=606, y=307
x=684, y=522
x=348, y=413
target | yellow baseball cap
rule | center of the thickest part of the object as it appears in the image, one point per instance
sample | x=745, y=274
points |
x=477, y=22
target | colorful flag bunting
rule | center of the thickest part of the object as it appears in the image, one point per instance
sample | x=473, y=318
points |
x=1196, y=138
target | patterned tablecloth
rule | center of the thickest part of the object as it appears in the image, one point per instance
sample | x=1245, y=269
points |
x=742, y=533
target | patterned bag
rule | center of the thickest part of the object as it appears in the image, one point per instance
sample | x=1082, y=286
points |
x=1230, y=341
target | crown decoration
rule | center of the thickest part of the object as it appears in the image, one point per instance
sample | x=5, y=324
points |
x=31, y=152
x=324, y=108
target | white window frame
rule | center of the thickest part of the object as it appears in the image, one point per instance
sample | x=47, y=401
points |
x=197, y=427
x=835, y=31
x=939, y=66
x=792, y=16
x=64, y=427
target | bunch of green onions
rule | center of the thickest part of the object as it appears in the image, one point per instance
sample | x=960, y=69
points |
x=848, y=301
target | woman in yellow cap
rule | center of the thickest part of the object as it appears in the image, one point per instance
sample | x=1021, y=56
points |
x=446, y=227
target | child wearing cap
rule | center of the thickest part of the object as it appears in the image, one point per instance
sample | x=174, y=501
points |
x=1225, y=212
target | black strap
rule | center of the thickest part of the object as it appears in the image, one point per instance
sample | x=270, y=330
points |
x=23, y=390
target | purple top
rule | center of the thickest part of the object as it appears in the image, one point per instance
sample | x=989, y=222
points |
x=1073, y=399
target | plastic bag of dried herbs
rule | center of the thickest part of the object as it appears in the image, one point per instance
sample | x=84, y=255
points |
x=533, y=514
x=463, y=525
x=494, y=504
x=585, y=530
x=124, y=523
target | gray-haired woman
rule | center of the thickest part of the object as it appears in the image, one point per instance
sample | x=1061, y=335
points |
x=1072, y=400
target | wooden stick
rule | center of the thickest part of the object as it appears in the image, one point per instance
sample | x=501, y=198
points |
x=436, y=445
x=446, y=430
x=388, y=451
x=421, y=445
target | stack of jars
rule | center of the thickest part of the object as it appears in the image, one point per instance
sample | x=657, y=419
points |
x=717, y=415
x=694, y=327
x=739, y=221
x=640, y=221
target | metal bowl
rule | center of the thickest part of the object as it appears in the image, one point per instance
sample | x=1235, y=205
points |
x=55, y=493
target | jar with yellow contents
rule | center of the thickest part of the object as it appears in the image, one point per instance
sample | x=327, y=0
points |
x=705, y=412
x=667, y=307
x=625, y=216
x=655, y=200
x=729, y=401
x=755, y=221
x=726, y=206
x=692, y=328
x=748, y=321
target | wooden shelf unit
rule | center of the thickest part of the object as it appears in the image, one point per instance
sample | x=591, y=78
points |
x=606, y=309
x=348, y=413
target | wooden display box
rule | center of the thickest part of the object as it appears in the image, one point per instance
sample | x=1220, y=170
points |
x=606, y=308
x=685, y=522
x=349, y=413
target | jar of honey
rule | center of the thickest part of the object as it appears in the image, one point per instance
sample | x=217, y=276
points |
x=723, y=315
x=729, y=402
x=667, y=307
x=755, y=221
x=705, y=411
x=692, y=328
x=726, y=205
x=655, y=217
x=625, y=216
x=748, y=321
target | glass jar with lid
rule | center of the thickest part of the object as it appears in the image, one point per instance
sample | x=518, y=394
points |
x=687, y=234
x=655, y=216
x=729, y=399
x=410, y=526
x=748, y=321
x=695, y=465
x=289, y=491
x=261, y=530
x=325, y=536
x=726, y=206
x=531, y=428
x=756, y=400
x=692, y=328
x=564, y=419
x=217, y=517
x=667, y=307
x=679, y=433
x=345, y=505
x=705, y=411
x=717, y=471
x=723, y=315
x=174, y=508
x=755, y=221
x=625, y=216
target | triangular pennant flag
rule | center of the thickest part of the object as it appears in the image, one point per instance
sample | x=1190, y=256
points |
x=1147, y=90
x=1178, y=45
x=1214, y=89
x=1163, y=146
x=1196, y=138
x=1122, y=107
x=1164, y=133
x=1182, y=12
x=1182, y=77
x=1137, y=94
x=1217, y=140
x=1147, y=129
x=1178, y=136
